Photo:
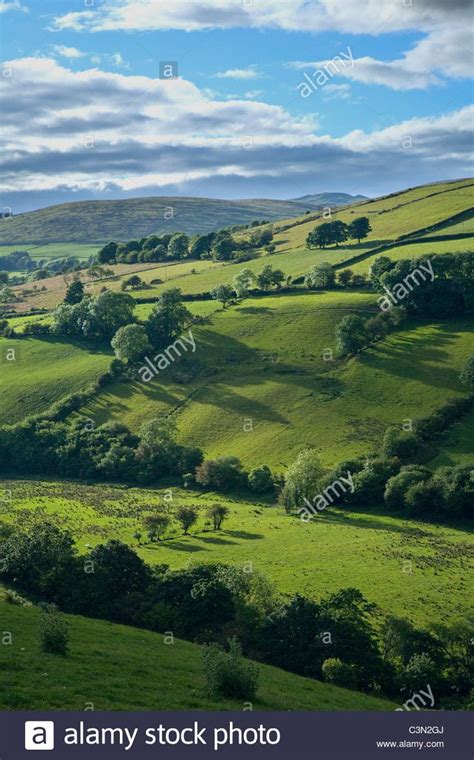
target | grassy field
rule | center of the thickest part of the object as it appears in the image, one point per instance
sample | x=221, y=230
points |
x=411, y=569
x=413, y=250
x=263, y=361
x=42, y=372
x=113, y=667
x=456, y=446
x=390, y=217
x=53, y=250
x=100, y=221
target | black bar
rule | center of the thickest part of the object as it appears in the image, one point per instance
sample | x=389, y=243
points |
x=308, y=735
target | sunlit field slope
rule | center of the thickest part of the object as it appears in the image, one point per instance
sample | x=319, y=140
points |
x=115, y=667
x=34, y=373
x=266, y=385
x=341, y=548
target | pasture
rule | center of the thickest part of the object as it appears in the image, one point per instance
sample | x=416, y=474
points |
x=411, y=569
x=262, y=389
x=115, y=667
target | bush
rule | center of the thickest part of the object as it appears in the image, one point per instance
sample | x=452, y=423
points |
x=398, y=485
x=36, y=328
x=54, y=634
x=260, y=479
x=402, y=444
x=11, y=597
x=340, y=673
x=228, y=674
x=222, y=473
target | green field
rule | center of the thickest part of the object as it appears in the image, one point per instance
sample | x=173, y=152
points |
x=392, y=216
x=456, y=446
x=53, y=250
x=401, y=214
x=408, y=568
x=262, y=361
x=114, y=667
x=414, y=250
x=100, y=221
x=40, y=372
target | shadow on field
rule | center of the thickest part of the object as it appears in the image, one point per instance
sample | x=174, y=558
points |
x=372, y=524
x=211, y=540
x=411, y=355
x=253, y=310
x=180, y=547
x=244, y=534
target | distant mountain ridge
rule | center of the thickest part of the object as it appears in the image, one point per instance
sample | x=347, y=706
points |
x=321, y=200
x=98, y=221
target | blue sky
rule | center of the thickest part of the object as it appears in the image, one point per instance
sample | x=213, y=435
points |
x=273, y=98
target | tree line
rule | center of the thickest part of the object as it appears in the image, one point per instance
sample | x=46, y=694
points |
x=337, y=232
x=218, y=246
x=341, y=638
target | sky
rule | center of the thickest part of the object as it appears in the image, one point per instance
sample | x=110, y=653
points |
x=106, y=99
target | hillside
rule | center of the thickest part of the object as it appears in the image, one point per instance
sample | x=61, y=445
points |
x=325, y=200
x=298, y=557
x=115, y=667
x=99, y=221
x=271, y=370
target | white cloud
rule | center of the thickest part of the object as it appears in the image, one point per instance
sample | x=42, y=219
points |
x=95, y=130
x=377, y=16
x=12, y=5
x=69, y=52
x=337, y=91
x=445, y=52
x=249, y=73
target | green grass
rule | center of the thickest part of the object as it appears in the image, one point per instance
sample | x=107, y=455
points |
x=456, y=446
x=372, y=552
x=53, y=250
x=100, y=221
x=263, y=361
x=42, y=372
x=414, y=250
x=114, y=667
x=391, y=217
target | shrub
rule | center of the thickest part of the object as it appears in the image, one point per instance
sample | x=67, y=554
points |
x=54, y=635
x=340, y=673
x=467, y=373
x=402, y=444
x=11, y=597
x=36, y=328
x=222, y=473
x=398, y=485
x=217, y=513
x=260, y=479
x=228, y=674
x=187, y=516
x=425, y=498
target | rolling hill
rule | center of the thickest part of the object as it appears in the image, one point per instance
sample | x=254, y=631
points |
x=325, y=200
x=342, y=548
x=99, y=221
x=116, y=667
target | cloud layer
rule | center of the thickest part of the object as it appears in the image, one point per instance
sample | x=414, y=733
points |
x=95, y=131
x=378, y=16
